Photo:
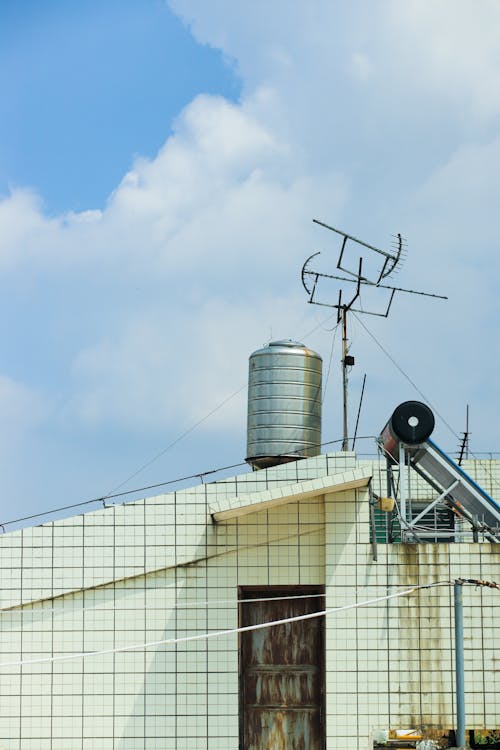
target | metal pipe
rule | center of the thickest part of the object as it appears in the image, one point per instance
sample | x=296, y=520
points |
x=459, y=664
x=402, y=491
x=373, y=527
x=345, y=441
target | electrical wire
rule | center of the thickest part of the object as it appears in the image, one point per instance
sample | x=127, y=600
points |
x=405, y=375
x=41, y=610
x=102, y=498
x=174, y=442
x=229, y=631
x=197, y=475
x=148, y=463
x=414, y=385
x=320, y=325
x=335, y=329
x=113, y=493
x=37, y=610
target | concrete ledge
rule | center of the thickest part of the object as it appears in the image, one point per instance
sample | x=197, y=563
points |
x=242, y=505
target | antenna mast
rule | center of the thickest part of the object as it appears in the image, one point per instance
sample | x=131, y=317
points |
x=389, y=262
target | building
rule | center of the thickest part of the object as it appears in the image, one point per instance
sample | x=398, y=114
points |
x=175, y=566
x=105, y=617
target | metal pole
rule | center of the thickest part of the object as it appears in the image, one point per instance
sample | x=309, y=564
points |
x=402, y=491
x=345, y=442
x=359, y=412
x=459, y=664
x=389, y=490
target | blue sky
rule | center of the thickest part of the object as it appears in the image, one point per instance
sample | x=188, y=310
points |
x=87, y=85
x=160, y=165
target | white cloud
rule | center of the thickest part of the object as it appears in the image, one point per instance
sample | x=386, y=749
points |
x=453, y=48
x=215, y=228
x=460, y=197
x=170, y=367
x=433, y=67
x=376, y=117
x=22, y=223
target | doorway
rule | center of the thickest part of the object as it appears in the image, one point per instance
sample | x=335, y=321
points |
x=282, y=673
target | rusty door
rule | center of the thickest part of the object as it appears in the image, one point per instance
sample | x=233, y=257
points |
x=282, y=672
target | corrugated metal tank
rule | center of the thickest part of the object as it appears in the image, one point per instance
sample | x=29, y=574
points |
x=284, y=404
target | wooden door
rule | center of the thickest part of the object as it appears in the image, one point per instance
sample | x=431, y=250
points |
x=282, y=672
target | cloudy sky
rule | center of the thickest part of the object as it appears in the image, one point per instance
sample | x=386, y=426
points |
x=160, y=167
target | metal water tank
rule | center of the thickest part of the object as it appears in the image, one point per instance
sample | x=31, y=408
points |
x=284, y=404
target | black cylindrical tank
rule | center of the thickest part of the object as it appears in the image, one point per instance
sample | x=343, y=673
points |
x=412, y=423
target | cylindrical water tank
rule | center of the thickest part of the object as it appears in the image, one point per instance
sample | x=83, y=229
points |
x=284, y=404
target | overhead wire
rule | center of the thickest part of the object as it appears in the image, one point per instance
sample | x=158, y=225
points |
x=149, y=462
x=405, y=375
x=23, y=609
x=335, y=329
x=113, y=493
x=415, y=386
x=161, y=453
x=177, y=440
x=102, y=498
x=38, y=608
x=320, y=325
x=231, y=631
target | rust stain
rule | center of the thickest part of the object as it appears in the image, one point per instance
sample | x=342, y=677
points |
x=282, y=676
x=423, y=681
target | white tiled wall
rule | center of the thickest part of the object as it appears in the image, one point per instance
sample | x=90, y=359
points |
x=391, y=665
x=114, y=577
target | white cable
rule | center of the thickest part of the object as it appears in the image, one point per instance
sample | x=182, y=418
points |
x=218, y=633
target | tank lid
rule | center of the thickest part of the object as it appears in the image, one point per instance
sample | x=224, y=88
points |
x=286, y=346
x=287, y=342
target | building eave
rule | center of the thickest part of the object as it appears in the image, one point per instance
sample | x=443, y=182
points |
x=242, y=505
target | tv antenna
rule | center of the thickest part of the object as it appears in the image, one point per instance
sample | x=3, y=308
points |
x=383, y=264
x=464, y=443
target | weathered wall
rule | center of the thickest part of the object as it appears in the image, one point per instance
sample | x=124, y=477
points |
x=391, y=665
x=160, y=569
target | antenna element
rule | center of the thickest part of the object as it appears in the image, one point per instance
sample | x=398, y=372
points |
x=388, y=262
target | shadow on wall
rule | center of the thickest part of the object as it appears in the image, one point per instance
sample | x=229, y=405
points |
x=182, y=687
